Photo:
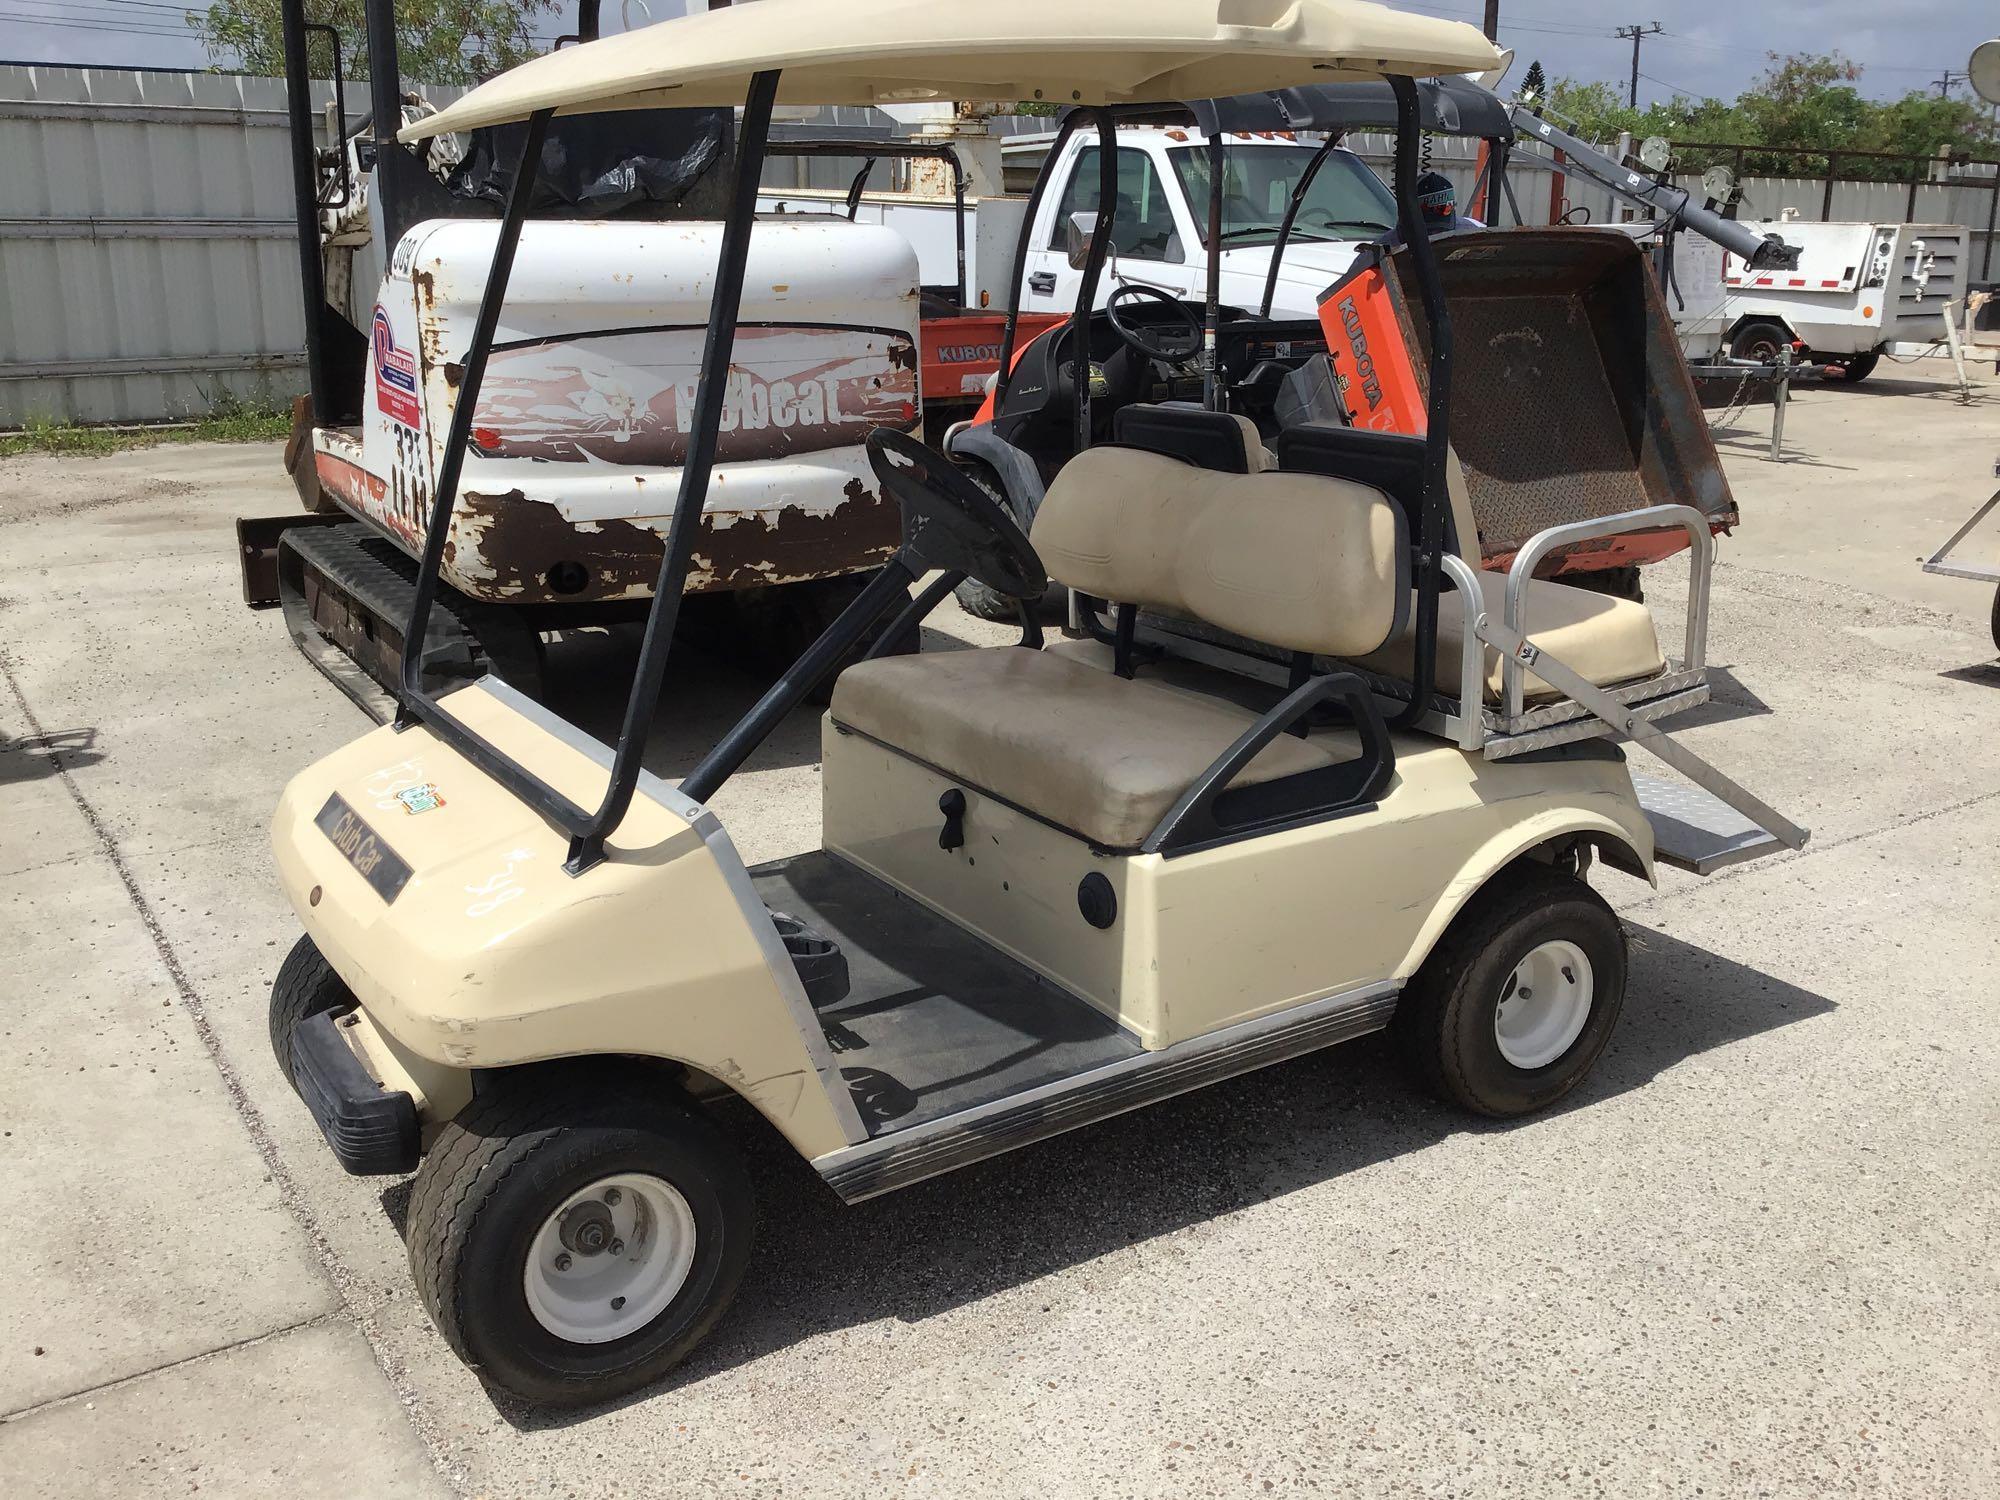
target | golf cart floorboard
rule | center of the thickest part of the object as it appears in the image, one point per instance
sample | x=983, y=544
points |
x=935, y=1021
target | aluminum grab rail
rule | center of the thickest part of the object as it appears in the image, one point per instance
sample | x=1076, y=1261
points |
x=1653, y=518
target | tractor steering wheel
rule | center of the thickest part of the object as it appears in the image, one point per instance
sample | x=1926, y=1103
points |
x=950, y=523
x=1142, y=339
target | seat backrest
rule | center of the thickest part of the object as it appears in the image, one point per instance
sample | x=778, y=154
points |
x=1217, y=440
x=1297, y=561
x=1392, y=462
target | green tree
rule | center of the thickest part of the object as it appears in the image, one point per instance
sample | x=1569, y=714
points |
x=1534, y=83
x=437, y=41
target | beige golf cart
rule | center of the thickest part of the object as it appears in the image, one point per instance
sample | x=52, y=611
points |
x=1057, y=882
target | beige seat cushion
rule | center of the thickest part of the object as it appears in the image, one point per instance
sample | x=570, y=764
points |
x=1298, y=561
x=1076, y=745
x=1607, y=641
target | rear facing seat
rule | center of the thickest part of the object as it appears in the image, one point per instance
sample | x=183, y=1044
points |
x=1606, y=640
x=1297, y=561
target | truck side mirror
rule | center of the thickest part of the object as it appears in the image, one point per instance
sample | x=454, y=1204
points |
x=1078, y=231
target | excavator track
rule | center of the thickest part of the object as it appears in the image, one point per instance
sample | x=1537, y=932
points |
x=346, y=593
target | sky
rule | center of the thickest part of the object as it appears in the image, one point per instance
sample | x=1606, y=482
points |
x=1707, y=46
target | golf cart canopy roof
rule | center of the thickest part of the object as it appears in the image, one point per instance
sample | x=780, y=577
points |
x=902, y=51
x=1449, y=106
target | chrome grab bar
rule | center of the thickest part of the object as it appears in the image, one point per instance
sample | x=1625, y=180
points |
x=1701, y=542
x=1471, y=654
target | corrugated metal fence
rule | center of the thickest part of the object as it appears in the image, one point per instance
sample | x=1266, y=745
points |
x=147, y=264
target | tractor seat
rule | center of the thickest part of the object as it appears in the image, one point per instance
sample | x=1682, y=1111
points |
x=1100, y=756
x=1606, y=641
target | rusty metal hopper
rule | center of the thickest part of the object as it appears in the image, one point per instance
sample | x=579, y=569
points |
x=1571, y=399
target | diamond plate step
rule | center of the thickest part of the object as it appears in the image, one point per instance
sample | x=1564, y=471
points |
x=1696, y=831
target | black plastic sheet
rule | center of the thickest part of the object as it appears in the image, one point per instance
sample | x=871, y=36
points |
x=634, y=163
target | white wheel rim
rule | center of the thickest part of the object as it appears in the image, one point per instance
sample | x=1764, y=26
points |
x=627, y=1254
x=1544, y=1005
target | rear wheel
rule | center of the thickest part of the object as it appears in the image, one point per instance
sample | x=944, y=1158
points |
x=574, y=1242
x=1518, y=999
x=305, y=986
x=1760, y=341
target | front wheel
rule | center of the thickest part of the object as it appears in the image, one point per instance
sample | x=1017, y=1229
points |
x=1518, y=999
x=573, y=1243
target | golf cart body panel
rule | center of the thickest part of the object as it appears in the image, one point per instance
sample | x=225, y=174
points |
x=471, y=966
x=1232, y=933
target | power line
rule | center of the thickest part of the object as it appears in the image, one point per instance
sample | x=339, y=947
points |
x=1638, y=34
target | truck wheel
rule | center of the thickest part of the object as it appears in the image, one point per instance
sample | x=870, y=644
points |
x=1760, y=341
x=305, y=986
x=1856, y=368
x=1519, y=997
x=573, y=1243
x=974, y=597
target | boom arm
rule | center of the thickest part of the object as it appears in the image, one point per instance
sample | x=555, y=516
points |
x=1761, y=251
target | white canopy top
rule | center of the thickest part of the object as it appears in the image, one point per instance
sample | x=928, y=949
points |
x=897, y=51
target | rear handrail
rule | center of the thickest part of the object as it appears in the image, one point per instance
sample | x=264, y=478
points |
x=1701, y=542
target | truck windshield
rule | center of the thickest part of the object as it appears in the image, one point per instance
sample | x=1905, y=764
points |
x=1346, y=200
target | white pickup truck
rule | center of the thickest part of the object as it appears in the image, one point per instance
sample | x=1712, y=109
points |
x=1159, y=235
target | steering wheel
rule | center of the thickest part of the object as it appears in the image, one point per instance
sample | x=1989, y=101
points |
x=950, y=523
x=1142, y=339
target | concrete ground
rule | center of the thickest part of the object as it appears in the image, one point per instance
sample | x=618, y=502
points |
x=1753, y=1255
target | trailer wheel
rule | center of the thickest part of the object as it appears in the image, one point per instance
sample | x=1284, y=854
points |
x=1996, y=620
x=1760, y=340
x=305, y=986
x=572, y=1242
x=1519, y=997
x=1855, y=368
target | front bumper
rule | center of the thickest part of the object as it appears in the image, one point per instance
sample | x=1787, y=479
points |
x=372, y=1129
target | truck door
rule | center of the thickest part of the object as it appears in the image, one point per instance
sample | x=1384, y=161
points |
x=1149, y=242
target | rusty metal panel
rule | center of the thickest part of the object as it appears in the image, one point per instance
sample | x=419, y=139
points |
x=1571, y=399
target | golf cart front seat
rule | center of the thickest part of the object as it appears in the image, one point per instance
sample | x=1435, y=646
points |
x=1296, y=561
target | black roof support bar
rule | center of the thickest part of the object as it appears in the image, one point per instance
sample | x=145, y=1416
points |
x=873, y=151
x=587, y=829
x=1437, y=434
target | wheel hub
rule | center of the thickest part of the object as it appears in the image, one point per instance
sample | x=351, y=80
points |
x=1544, y=1005
x=610, y=1258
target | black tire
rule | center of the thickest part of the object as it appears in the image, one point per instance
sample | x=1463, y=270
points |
x=974, y=597
x=1996, y=620
x=1446, y=1020
x=503, y=1166
x=1760, y=341
x=305, y=986
x=1856, y=368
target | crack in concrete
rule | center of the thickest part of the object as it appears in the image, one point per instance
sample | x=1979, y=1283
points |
x=289, y=1193
x=247, y=1342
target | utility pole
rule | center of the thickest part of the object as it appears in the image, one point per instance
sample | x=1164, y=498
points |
x=1492, y=20
x=1948, y=82
x=1638, y=34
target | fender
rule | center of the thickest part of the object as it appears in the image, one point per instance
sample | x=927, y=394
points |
x=1489, y=861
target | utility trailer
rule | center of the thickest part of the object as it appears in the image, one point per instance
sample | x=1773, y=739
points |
x=564, y=492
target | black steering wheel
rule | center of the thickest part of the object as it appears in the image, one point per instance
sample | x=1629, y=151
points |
x=950, y=523
x=1142, y=339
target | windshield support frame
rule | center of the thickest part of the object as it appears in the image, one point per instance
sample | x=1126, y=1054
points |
x=587, y=828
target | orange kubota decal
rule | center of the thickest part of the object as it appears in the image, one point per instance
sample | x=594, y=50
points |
x=1377, y=375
